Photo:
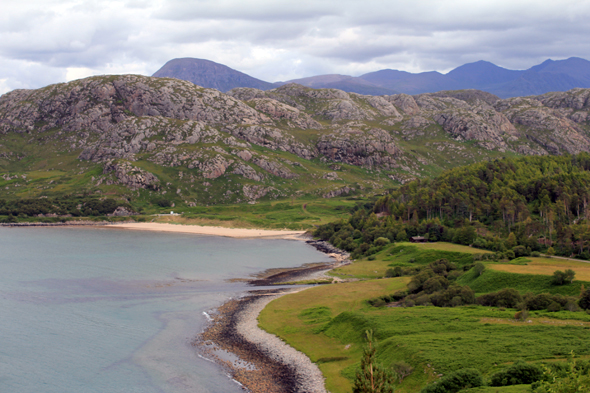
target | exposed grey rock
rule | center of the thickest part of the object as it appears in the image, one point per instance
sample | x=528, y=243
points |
x=274, y=168
x=338, y=192
x=278, y=111
x=272, y=138
x=121, y=211
x=253, y=192
x=331, y=176
x=248, y=172
x=405, y=102
x=374, y=148
x=132, y=176
x=215, y=167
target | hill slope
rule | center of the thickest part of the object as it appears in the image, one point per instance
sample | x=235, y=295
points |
x=142, y=138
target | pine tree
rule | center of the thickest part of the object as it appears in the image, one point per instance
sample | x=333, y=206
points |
x=372, y=377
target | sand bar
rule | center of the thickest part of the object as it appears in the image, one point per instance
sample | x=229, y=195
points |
x=241, y=233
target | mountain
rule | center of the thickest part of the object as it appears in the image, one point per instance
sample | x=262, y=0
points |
x=549, y=76
x=482, y=75
x=342, y=82
x=560, y=75
x=145, y=138
x=209, y=74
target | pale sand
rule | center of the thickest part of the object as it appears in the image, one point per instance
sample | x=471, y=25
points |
x=211, y=231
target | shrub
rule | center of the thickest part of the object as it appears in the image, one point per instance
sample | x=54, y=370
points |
x=462, y=379
x=521, y=315
x=584, y=301
x=381, y=241
x=507, y=297
x=509, y=255
x=520, y=373
x=435, y=284
x=163, y=202
x=480, y=243
x=393, y=272
x=402, y=370
x=479, y=268
x=464, y=235
x=566, y=378
x=521, y=251
x=561, y=278
x=539, y=302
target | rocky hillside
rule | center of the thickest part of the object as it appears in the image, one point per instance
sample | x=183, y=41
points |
x=145, y=138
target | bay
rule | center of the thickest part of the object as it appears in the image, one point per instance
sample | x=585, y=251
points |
x=106, y=310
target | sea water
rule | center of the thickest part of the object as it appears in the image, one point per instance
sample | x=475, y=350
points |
x=108, y=310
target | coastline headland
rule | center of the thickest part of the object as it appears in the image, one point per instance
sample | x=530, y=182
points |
x=260, y=361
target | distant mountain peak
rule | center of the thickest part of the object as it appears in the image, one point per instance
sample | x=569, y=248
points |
x=209, y=74
x=551, y=75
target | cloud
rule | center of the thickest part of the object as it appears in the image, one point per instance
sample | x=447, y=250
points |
x=49, y=41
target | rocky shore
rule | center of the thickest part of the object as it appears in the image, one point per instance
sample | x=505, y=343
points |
x=259, y=361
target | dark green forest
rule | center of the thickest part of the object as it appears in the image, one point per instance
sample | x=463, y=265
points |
x=514, y=207
x=72, y=206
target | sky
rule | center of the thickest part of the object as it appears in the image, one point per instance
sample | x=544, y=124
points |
x=52, y=41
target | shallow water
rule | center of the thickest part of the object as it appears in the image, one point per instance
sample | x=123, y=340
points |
x=107, y=310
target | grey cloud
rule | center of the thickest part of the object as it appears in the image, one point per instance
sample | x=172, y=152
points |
x=276, y=40
x=261, y=10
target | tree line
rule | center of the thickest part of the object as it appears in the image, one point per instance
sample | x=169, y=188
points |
x=75, y=206
x=511, y=206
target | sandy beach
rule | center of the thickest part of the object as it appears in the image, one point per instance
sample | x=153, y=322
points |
x=240, y=233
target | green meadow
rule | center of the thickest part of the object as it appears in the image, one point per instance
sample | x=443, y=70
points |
x=327, y=322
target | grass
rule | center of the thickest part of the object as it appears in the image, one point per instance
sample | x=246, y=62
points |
x=296, y=214
x=327, y=323
x=286, y=317
x=407, y=254
x=546, y=266
x=503, y=389
x=493, y=280
x=443, y=246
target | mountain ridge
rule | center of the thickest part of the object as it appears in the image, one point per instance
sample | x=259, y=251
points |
x=551, y=75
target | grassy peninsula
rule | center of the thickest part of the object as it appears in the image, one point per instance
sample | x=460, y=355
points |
x=327, y=322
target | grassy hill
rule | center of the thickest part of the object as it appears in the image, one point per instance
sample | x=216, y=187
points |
x=327, y=322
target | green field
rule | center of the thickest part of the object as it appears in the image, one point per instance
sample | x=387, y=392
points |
x=407, y=254
x=296, y=214
x=547, y=266
x=327, y=323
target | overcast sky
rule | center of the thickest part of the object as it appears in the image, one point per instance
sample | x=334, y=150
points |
x=50, y=41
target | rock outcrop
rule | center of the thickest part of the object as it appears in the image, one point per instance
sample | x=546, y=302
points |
x=372, y=148
x=274, y=142
x=132, y=176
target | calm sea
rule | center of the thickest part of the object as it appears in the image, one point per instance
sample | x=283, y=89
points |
x=106, y=310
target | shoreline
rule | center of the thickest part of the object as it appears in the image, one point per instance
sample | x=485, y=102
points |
x=259, y=361
x=237, y=233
